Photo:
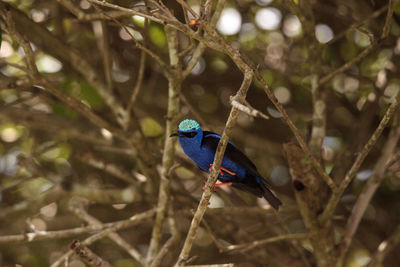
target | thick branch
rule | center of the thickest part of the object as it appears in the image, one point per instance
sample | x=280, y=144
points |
x=174, y=88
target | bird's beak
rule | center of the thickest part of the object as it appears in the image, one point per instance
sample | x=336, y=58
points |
x=174, y=134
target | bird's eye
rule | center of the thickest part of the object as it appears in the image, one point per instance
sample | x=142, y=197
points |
x=192, y=134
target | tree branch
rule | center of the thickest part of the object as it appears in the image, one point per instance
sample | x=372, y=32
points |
x=384, y=248
x=212, y=178
x=258, y=243
x=44, y=235
x=174, y=88
x=335, y=197
x=87, y=255
x=369, y=190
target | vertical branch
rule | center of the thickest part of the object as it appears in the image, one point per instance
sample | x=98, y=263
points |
x=106, y=55
x=307, y=188
x=174, y=88
x=369, y=190
x=212, y=178
x=318, y=119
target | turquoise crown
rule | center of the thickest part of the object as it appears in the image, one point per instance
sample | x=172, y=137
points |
x=189, y=125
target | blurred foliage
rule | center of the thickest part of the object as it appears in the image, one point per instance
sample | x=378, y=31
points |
x=49, y=153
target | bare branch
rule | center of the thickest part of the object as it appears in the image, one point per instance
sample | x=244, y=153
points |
x=212, y=178
x=335, y=197
x=87, y=255
x=317, y=166
x=366, y=51
x=369, y=190
x=249, y=110
x=78, y=208
x=384, y=248
x=174, y=88
x=117, y=225
x=258, y=243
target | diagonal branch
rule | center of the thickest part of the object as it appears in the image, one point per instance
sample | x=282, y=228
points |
x=212, y=178
x=335, y=197
x=366, y=51
x=369, y=190
x=317, y=166
x=78, y=208
x=384, y=248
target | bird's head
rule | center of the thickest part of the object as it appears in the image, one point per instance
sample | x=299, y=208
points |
x=188, y=129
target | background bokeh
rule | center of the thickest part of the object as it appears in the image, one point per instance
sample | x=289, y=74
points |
x=49, y=153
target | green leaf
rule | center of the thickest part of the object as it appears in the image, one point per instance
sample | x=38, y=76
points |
x=64, y=111
x=84, y=91
x=150, y=127
x=157, y=36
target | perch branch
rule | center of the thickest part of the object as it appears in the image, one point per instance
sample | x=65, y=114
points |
x=212, y=178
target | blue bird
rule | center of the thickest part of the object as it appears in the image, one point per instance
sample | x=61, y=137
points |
x=236, y=169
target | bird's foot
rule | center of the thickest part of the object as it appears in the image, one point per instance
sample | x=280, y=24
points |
x=222, y=171
x=217, y=185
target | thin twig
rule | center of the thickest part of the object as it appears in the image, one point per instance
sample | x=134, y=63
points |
x=384, y=248
x=249, y=110
x=170, y=242
x=185, y=6
x=357, y=25
x=112, y=169
x=139, y=45
x=366, y=51
x=201, y=47
x=87, y=255
x=117, y=225
x=369, y=190
x=258, y=243
x=78, y=208
x=335, y=197
x=139, y=81
x=94, y=238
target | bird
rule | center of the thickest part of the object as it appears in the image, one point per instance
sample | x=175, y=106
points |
x=237, y=170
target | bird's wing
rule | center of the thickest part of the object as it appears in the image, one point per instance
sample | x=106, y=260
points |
x=211, y=140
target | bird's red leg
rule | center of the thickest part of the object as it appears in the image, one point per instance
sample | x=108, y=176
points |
x=223, y=170
x=217, y=185
x=222, y=173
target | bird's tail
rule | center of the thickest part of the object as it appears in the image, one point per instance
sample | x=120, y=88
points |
x=269, y=196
